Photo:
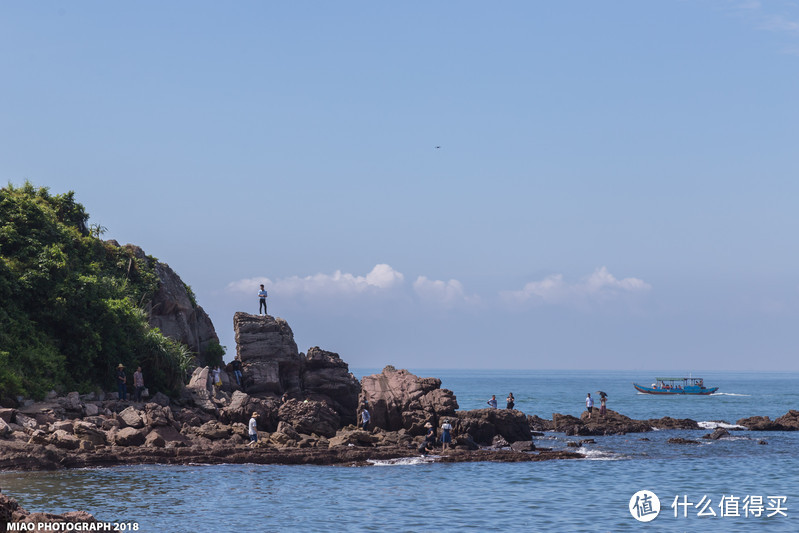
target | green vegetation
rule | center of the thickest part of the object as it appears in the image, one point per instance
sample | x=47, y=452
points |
x=69, y=302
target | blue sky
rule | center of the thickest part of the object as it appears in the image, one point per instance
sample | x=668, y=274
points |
x=615, y=185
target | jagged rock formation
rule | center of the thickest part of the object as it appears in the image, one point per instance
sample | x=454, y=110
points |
x=174, y=311
x=787, y=422
x=10, y=511
x=326, y=377
x=272, y=366
x=398, y=399
x=484, y=425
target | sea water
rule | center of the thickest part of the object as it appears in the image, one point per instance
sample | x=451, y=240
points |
x=716, y=484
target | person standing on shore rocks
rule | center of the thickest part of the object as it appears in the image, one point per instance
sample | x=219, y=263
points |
x=603, y=408
x=236, y=364
x=122, y=379
x=138, y=384
x=589, y=404
x=262, y=300
x=446, y=436
x=493, y=401
x=365, y=418
x=253, y=429
x=511, y=401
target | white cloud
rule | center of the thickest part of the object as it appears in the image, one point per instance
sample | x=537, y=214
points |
x=444, y=293
x=600, y=286
x=382, y=278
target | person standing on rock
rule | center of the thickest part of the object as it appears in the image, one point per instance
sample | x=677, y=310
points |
x=253, y=429
x=262, y=300
x=589, y=404
x=511, y=401
x=138, y=384
x=122, y=379
x=365, y=418
x=236, y=364
x=603, y=408
x=493, y=401
x=446, y=436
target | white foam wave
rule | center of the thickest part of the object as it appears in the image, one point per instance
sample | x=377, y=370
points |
x=709, y=424
x=599, y=455
x=729, y=394
x=404, y=461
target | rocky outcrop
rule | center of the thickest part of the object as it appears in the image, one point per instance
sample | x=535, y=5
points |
x=269, y=357
x=310, y=417
x=787, y=422
x=397, y=399
x=612, y=423
x=326, y=377
x=174, y=310
x=484, y=425
x=10, y=511
x=242, y=406
x=272, y=366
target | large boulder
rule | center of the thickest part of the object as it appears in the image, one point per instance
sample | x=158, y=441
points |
x=89, y=432
x=310, y=417
x=760, y=423
x=269, y=357
x=130, y=417
x=242, y=406
x=789, y=421
x=397, y=399
x=201, y=390
x=482, y=425
x=326, y=377
x=129, y=437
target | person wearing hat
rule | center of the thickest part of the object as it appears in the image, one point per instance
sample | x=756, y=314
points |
x=430, y=437
x=446, y=437
x=253, y=429
x=121, y=380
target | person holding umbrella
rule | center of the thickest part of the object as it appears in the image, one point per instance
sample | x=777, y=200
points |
x=603, y=400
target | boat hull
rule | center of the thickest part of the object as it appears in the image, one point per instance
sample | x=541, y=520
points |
x=686, y=391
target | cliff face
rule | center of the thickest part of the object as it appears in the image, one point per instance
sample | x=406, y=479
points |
x=174, y=311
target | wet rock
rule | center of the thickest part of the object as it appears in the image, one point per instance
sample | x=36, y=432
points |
x=573, y=444
x=717, y=434
x=673, y=423
x=310, y=417
x=397, y=399
x=762, y=442
x=522, y=446
x=789, y=421
x=539, y=424
x=499, y=442
x=680, y=440
x=760, y=423
x=10, y=511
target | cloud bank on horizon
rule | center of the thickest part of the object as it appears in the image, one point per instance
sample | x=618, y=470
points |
x=383, y=281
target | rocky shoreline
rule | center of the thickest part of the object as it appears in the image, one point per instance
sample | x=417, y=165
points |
x=307, y=406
